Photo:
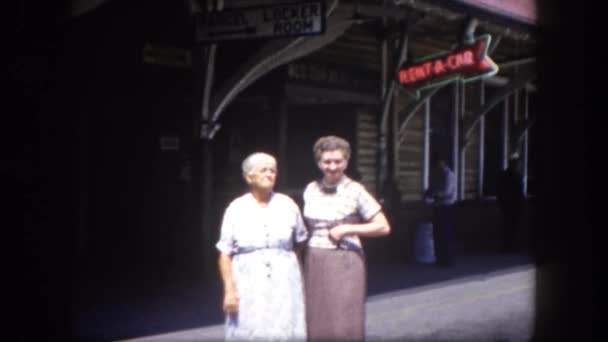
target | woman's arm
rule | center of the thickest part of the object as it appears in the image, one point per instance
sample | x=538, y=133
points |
x=231, y=298
x=377, y=226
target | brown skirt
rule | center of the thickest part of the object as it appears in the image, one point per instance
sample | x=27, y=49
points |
x=335, y=286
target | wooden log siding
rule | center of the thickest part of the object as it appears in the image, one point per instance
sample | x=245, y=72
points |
x=410, y=154
x=471, y=172
x=470, y=180
x=366, y=148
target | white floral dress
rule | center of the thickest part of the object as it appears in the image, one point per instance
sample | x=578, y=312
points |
x=265, y=269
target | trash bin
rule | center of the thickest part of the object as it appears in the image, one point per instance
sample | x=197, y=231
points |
x=424, y=247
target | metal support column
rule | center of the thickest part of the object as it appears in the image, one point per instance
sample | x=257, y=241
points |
x=516, y=107
x=525, y=146
x=515, y=147
x=384, y=77
x=385, y=89
x=455, y=165
x=207, y=131
x=207, y=201
x=463, y=147
x=505, y=135
x=482, y=142
x=387, y=106
x=426, y=145
x=283, y=141
x=395, y=145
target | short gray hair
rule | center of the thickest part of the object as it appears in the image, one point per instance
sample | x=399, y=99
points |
x=254, y=159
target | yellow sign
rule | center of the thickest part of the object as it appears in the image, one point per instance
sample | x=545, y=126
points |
x=167, y=56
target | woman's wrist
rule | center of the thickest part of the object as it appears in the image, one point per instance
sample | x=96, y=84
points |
x=346, y=230
x=229, y=289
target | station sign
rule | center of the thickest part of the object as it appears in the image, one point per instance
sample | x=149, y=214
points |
x=272, y=21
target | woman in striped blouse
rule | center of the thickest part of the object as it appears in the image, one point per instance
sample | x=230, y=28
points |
x=337, y=210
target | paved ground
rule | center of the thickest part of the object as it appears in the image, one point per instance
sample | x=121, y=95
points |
x=483, y=298
x=490, y=307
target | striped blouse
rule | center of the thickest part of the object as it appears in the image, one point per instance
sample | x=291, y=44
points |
x=348, y=202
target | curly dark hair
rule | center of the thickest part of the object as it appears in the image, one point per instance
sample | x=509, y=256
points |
x=331, y=143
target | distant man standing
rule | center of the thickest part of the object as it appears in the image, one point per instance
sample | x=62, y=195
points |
x=442, y=194
x=510, y=195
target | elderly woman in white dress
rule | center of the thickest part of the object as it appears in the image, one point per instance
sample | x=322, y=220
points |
x=263, y=290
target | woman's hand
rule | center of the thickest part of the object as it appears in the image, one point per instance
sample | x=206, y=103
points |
x=231, y=302
x=338, y=232
x=377, y=226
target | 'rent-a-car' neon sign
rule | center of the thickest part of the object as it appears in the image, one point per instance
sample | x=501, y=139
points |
x=469, y=62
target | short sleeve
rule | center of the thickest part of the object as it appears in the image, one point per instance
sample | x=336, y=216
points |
x=306, y=194
x=226, y=242
x=368, y=206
